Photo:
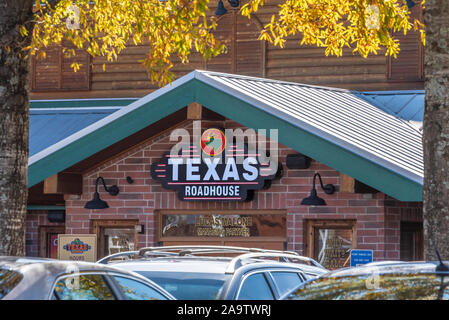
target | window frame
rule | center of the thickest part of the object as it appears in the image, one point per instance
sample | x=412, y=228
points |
x=299, y=273
x=314, y=224
x=268, y=279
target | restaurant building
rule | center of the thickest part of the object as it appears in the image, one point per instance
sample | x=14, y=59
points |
x=367, y=145
x=108, y=120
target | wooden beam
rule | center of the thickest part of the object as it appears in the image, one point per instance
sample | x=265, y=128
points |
x=347, y=183
x=194, y=111
x=64, y=183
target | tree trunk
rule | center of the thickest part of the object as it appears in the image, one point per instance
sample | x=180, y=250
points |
x=14, y=123
x=436, y=130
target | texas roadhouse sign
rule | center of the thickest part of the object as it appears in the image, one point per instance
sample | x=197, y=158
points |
x=213, y=169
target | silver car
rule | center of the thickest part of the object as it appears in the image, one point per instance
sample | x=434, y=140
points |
x=219, y=272
x=24, y=278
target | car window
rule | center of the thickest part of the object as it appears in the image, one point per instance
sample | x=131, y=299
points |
x=255, y=287
x=83, y=287
x=8, y=280
x=136, y=290
x=286, y=281
x=376, y=287
x=189, y=285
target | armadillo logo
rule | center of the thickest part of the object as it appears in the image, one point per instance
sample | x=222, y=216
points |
x=77, y=246
x=213, y=142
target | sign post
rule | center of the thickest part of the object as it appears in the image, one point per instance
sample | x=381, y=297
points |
x=77, y=247
x=360, y=257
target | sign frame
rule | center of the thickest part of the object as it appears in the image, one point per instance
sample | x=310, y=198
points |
x=88, y=241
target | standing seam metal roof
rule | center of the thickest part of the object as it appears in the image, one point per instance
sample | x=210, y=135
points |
x=341, y=115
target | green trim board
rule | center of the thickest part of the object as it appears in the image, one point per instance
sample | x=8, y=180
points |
x=188, y=89
x=42, y=207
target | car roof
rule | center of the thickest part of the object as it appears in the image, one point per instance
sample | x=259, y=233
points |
x=26, y=263
x=175, y=264
x=212, y=265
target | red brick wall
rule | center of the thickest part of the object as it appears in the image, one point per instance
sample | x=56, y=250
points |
x=377, y=216
x=34, y=220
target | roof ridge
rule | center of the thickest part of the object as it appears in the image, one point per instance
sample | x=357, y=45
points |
x=244, y=77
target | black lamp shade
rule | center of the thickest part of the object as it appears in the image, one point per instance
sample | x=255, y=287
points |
x=96, y=203
x=221, y=10
x=313, y=200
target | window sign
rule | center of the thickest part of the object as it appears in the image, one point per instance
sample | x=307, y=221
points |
x=77, y=247
x=119, y=240
x=334, y=247
x=223, y=225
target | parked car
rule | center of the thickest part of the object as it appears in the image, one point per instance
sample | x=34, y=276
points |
x=379, y=281
x=48, y=279
x=211, y=272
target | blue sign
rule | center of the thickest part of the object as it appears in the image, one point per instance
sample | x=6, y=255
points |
x=359, y=257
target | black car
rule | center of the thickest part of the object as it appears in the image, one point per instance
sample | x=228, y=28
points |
x=214, y=272
x=379, y=281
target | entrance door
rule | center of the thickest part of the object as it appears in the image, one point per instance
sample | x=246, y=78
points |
x=412, y=248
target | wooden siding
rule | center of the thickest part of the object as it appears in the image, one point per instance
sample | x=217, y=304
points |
x=246, y=55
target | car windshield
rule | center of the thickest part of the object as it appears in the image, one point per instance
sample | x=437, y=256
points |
x=8, y=281
x=189, y=285
x=419, y=286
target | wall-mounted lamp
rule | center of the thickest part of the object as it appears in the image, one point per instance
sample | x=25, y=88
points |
x=313, y=199
x=96, y=202
x=221, y=10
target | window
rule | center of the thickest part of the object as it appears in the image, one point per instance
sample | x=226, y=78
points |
x=115, y=236
x=245, y=54
x=135, y=290
x=189, y=285
x=83, y=287
x=255, y=287
x=412, y=247
x=286, y=281
x=330, y=241
x=8, y=280
x=54, y=72
x=409, y=64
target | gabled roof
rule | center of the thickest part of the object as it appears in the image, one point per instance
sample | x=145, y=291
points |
x=333, y=126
